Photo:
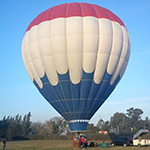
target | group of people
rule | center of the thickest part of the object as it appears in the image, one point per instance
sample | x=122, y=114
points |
x=80, y=137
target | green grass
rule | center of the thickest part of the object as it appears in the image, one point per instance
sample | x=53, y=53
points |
x=57, y=145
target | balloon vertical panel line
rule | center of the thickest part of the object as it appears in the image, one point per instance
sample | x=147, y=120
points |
x=75, y=54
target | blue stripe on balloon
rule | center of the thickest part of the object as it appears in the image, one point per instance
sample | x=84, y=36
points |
x=78, y=126
x=102, y=89
x=86, y=82
x=87, y=79
x=66, y=88
x=49, y=95
x=88, y=76
x=111, y=88
x=93, y=92
x=76, y=90
x=64, y=77
x=97, y=94
x=95, y=106
x=105, y=83
x=48, y=92
x=94, y=89
x=76, y=98
x=77, y=101
x=58, y=91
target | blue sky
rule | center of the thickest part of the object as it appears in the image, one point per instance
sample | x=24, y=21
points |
x=19, y=96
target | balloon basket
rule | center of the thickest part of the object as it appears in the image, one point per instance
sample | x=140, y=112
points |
x=77, y=144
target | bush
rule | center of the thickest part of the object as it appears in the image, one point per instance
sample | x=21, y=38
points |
x=19, y=138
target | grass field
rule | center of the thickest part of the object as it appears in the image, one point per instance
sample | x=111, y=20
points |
x=57, y=145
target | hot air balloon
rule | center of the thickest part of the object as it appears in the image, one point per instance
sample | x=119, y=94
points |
x=75, y=54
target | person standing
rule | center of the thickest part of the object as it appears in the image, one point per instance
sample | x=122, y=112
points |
x=82, y=142
x=4, y=143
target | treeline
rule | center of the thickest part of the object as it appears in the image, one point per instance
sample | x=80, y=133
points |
x=125, y=124
x=15, y=128
x=120, y=124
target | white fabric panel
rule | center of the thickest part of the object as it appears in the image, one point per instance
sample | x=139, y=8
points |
x=105, y=36
x=123, y=69
x=39, y=67
x=33, y=34
x=34, y=74
x=33, y=43
x=90, y=43
x=116, y=48
x=75, y=67
x=74, y=36
x=122, y=56
x=44, y=47
x=129, y=49
x=25, y=49
x=36, y=58
x=38, y=70
x=124, y=50
x=25, y=41
x=61, y=63
x=26, y=55
x=119, y=67
x=126, y=54
x=89, y=61
x=129, y=40
x=58, y=44
x=74, y=25
x=23, y=57
x=125, y=34
x=112, y=64
x=90, y=25
x=44, y=39
x=126, y=59
x=105, y=27
x=90, y=48
x=34, y=50
x=58, y=26
x=74, y=48
x=43, y=30
x=74, y=40
x=29, y=73
x=103, y=47
x=50, y=69
x=125, y=43
x=101, y=65
x=117, y=39
x=73, y=44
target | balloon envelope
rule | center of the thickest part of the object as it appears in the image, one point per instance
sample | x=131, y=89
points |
x=75, y=54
